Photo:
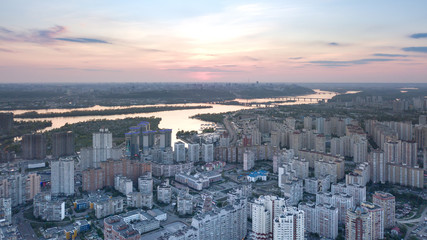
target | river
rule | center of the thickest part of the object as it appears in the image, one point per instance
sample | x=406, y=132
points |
x=175, y=120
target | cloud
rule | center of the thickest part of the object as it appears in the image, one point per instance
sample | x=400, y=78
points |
x=82, y=40
x=227, y=65
x=419, y=35
x=49, y=34
x=388, y=55
x=415, y=49
x=351, y=62
x=296, y=58
x=5, y=50
x=200, y=69
x=86, y=69
x=250, y=58
x=5, y=30
x=333, y=44
x=151, y=50
x=44, y=36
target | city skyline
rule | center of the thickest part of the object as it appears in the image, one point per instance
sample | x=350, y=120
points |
x=216, y=41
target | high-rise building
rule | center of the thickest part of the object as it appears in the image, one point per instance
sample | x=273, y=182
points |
x=321, y=219
x=360, y=150
x=293, y=190
x=405, y=175
x=207, y=152
x=308, y=123
x=420, y=132
x=327, y=221
x=392, y=152
x=5, y=211
x=6, y=122
x=62, y=144
x=179, y=152
x=310, y=217
x=343, y=202
x=377, y=219
x=123, y=184
x=46, y=208
x=102, y=142
x=132, y=144
x=295, y=141
x=378, y=166
x=145, y=183
x=108, y=206
x=358, y=224
x=14, y=187
x=388, y=204
x=33, y=185
x=17, y=188
x=409, y=153
x=139, y=200
x=193, y=152
x=229, y=222
x=101, y=150
x=184, y=204
x=248, y=160
x=160, y=139
x=289, y=224
x=33, y=146
x=62, y=176
x=93, y=179
x=290, y=122
x=264, y=210
x=164, y=193
x=361, y=175
x=358, y=192
x=96, y=178
x=320, y=143
x=316, y=185
x=320, y=125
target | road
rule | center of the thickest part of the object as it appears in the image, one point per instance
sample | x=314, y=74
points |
x=416, y=221
x=24, y=226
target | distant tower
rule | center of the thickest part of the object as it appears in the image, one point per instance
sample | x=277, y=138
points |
x=62, y=144
x=6, y=122
x=33, y=146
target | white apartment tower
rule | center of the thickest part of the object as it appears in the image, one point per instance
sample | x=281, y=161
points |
x=320, y=125
x=102, y=143
x=193, y=152
x=264, y=211
x=248, y=160
x=179, y=152
x=308, y=123
x=207, y=152
x=62, y=176
x=360, y=150
x=289, y=224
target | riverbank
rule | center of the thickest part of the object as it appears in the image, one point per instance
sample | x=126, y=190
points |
x=83, y=130
x=108, y=112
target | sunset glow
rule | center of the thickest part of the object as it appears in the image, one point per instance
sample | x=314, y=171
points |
x=268, y=41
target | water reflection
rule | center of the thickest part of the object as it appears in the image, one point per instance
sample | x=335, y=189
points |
x=176, y=120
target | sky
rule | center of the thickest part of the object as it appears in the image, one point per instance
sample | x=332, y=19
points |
x=45, y=41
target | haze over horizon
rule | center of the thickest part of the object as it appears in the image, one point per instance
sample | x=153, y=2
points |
x=215, y=41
